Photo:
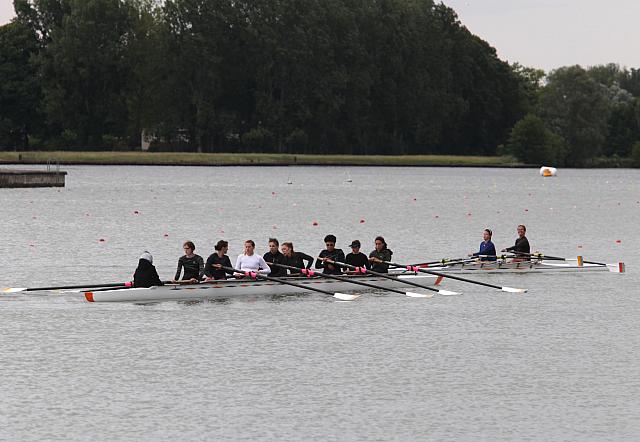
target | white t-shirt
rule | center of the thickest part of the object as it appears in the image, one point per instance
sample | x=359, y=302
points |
x=253, y=263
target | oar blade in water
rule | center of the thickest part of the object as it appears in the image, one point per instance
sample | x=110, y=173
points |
x=13, y=289
x=419, y=295
x=345, y=296
x=448, y=293
x=513, y=290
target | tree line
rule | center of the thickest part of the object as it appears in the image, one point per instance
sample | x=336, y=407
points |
x=294, y=76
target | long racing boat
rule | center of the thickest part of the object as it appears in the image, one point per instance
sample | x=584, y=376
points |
x=533, y=266
x=232, y=288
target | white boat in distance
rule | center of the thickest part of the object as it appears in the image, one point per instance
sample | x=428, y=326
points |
x=534, y=266
x=232, y=288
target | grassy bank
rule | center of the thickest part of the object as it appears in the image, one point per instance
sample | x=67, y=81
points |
x=249, y=159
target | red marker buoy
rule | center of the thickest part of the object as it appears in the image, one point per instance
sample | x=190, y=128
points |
x=618, y=241
x=526, y=210
x=362, y=221
x=315, y=223
x=101, y=240
x=135, y=212
x=166, y=235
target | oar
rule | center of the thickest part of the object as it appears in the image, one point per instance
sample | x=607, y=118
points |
x=311, y=273
x=393, y=278
x=64, y=287
x=614, y=268
x=256, y=275
x=444, y=261
x=448, y=275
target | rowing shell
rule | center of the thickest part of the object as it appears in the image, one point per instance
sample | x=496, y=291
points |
x=232, y=288
x=537, y=266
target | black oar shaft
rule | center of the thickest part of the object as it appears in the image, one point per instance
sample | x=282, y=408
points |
x=340, y=278
x=382, y=275
x=278, y=280
x=84, y=286
x=447, y=275
x=557, y=258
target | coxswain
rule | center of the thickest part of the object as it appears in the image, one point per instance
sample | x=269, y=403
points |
x=146, y=274
x=217, y=260
x=332, y=254
x=250, y=262
x=273, y=256
x=356, y=258
x=192, y=264
x=521, y=247
x=295, y=259
x=487, y=249
x=380, y=254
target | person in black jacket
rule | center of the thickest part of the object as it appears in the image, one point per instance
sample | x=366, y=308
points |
x=521, y=247
x=356, y=257
x=217, y=260
x=332, y=254
x=273, y=256
x=192, y=264
x=379, y=255
x=146, y=274
x=295, y=259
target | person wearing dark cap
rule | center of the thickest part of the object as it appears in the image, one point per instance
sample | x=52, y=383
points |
x=356, y=257
x=146, y=274
x=330, y=253
x=379, y=255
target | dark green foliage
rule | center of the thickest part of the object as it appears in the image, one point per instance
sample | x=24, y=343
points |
x=532, y=143
x=20, y=93
x=635, y=154
x=335, y=76
x=576, y=107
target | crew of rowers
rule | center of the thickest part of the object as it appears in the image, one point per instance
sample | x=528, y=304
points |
x=286, y=261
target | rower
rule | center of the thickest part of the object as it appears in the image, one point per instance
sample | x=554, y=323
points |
x=295, y=259
x=146, y=274
x=273, y=256
x=380, y=254
x=521, y=247
x=330, y=253
x=193, y=264
x=356, y=257
x=217, y=260
x=487, y=249
x=250, y=262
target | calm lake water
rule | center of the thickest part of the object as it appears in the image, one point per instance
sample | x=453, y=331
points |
x=561, y=362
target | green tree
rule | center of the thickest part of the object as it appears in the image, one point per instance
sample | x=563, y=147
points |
x=531, y=142
x=20, y=93
x=576, y=107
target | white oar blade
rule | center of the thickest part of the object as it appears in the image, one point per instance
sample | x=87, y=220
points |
x=13, y=289
x=345, y=296
x=616, y=268
x=513, y=290
x=418, y=295
x=448, y=293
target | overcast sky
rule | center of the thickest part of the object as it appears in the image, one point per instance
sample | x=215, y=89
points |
x=542, y=33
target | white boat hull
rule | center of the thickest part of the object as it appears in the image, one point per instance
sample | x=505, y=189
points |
x=535, y=266
x=232, y=288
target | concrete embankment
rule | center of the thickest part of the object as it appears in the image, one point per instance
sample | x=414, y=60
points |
x=31, y=178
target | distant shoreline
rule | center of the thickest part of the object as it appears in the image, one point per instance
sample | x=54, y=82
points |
x=249, y=159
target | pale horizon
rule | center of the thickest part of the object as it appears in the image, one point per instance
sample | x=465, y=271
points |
x=545, y=34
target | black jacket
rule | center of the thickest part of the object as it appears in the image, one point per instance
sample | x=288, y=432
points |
x=336, y=255
x=276, y=258
x=215, y=273
x=146, y=275
x=521, y=246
